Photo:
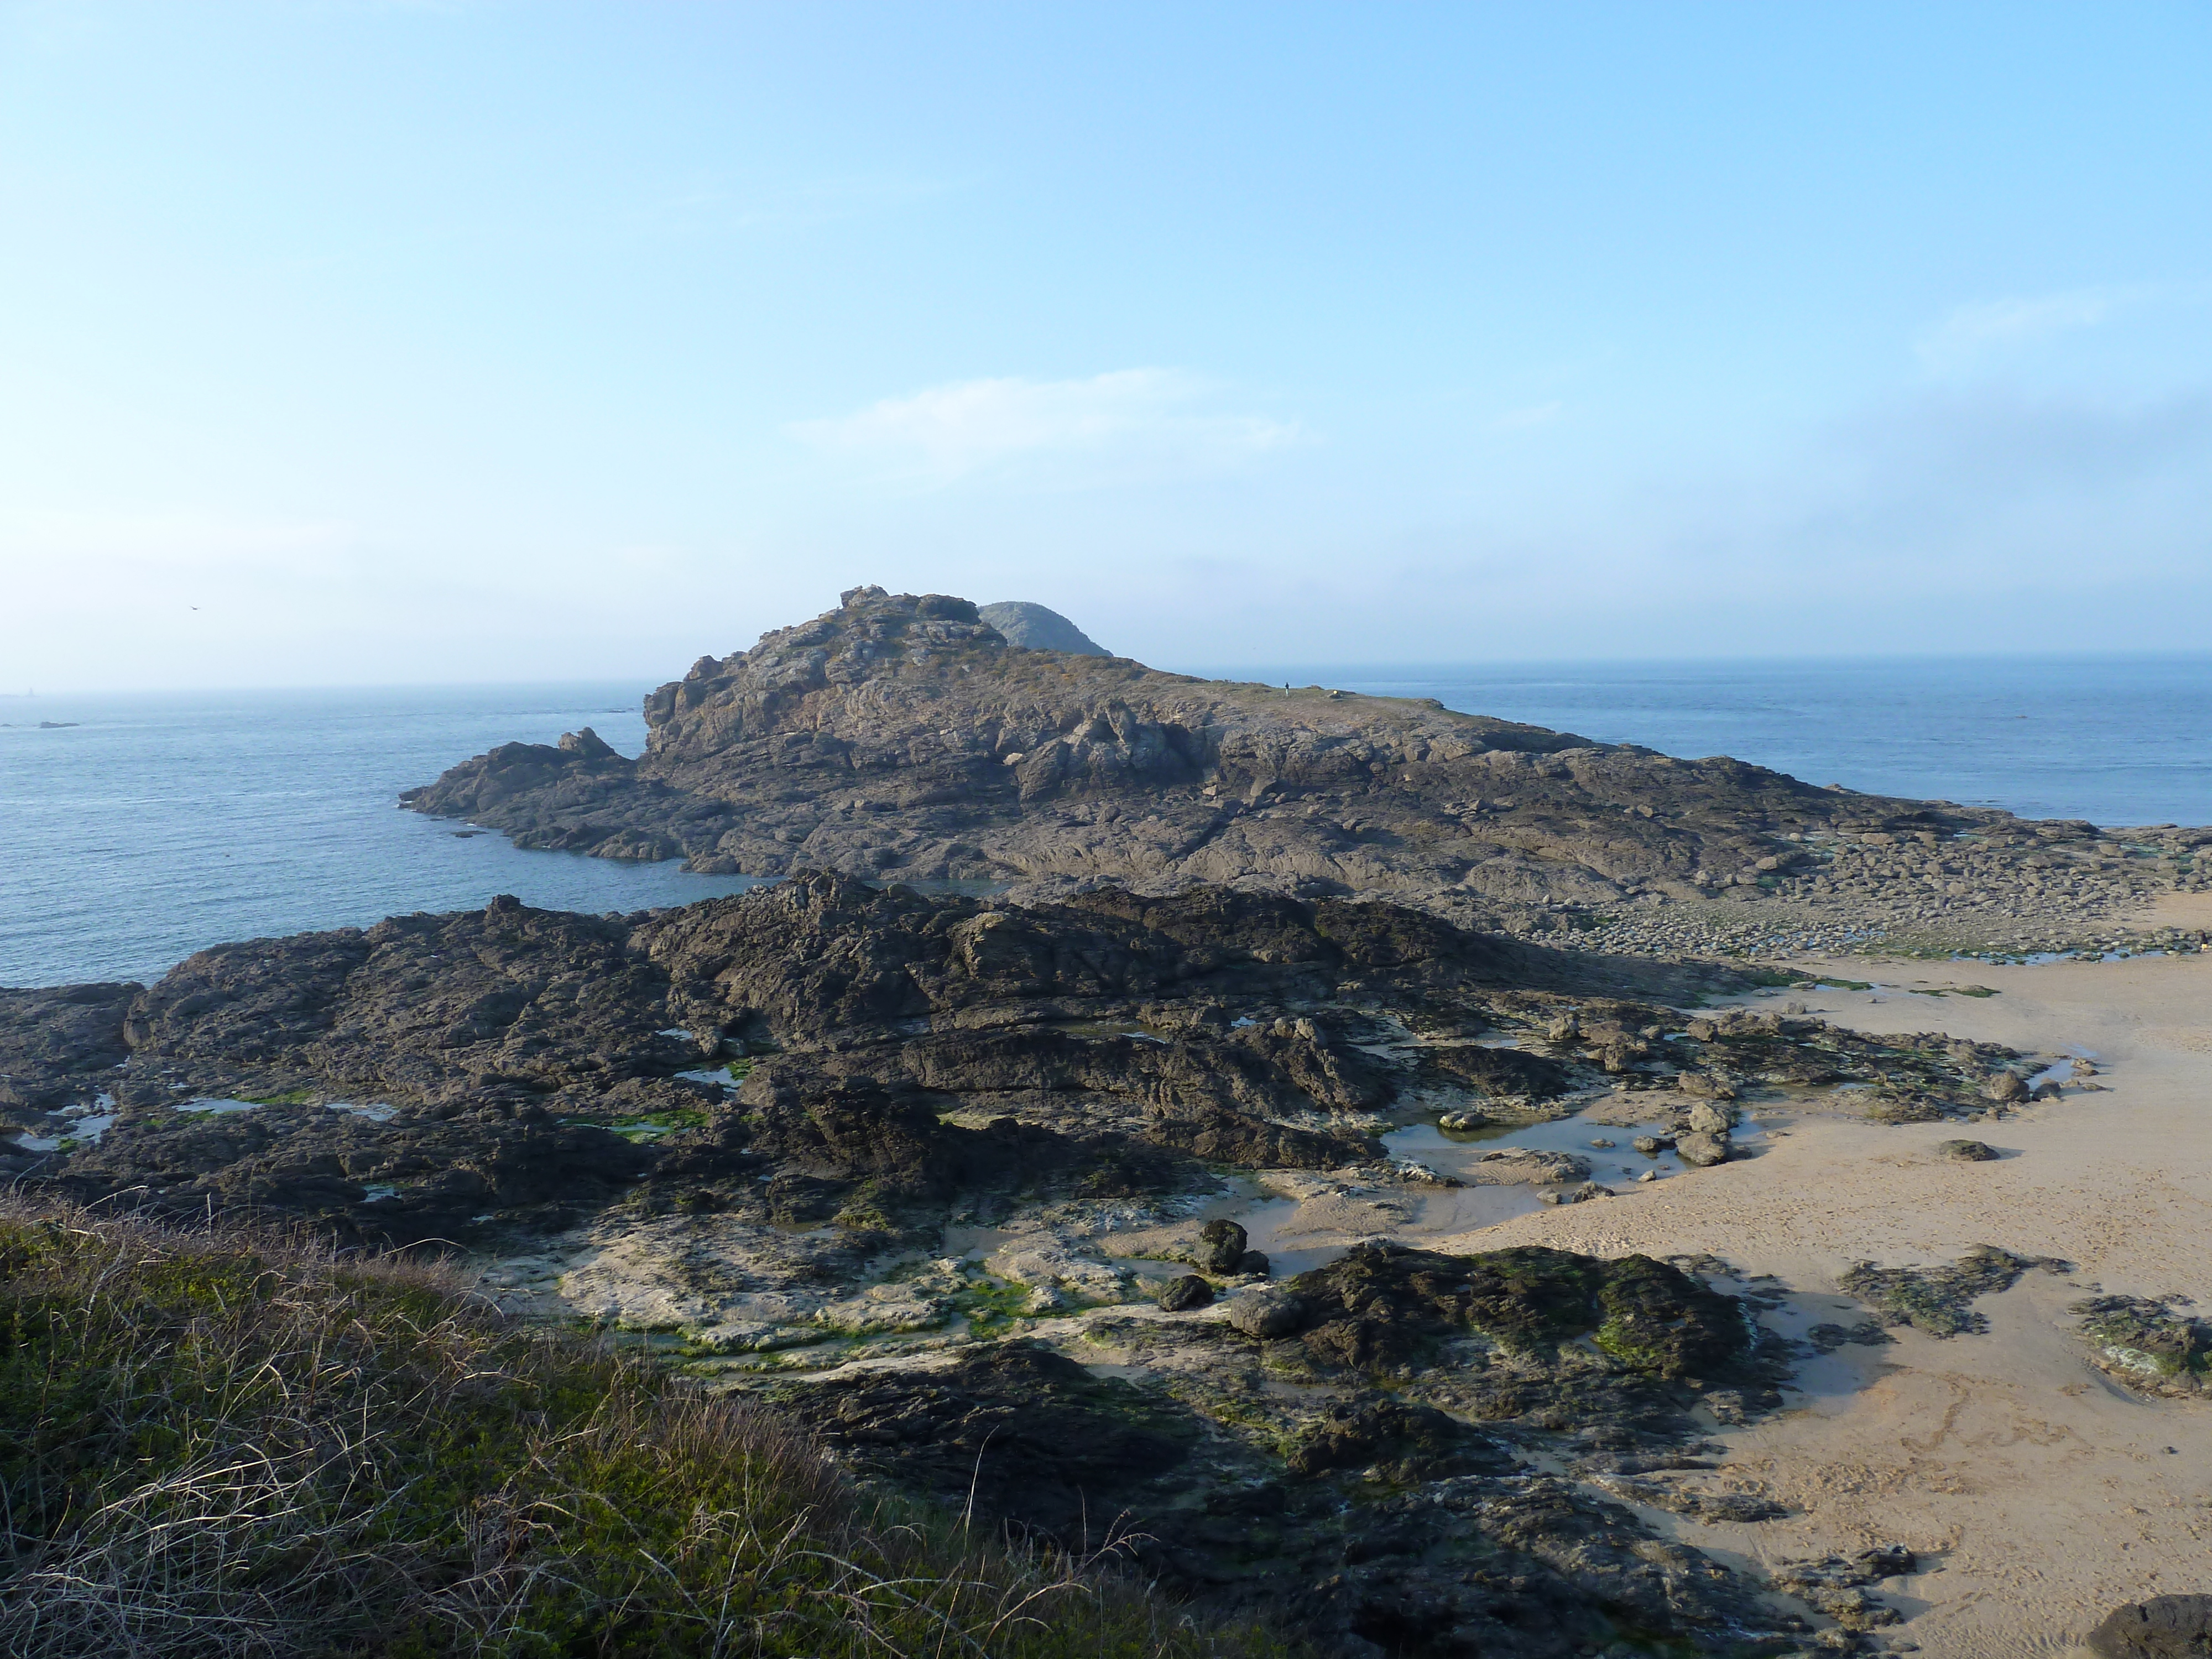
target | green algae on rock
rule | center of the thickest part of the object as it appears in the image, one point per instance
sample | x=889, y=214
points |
x=2149, y=1345
x=1939, y=1300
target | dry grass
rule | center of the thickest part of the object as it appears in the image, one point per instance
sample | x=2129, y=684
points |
x=225, y=1445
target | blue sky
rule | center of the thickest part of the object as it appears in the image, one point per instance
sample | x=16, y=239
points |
x=453, y=341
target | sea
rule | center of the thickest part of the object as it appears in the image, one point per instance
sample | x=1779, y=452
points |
x=136, y=828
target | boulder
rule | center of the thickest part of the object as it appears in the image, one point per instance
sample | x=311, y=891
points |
x=588, y=744
x=1964, y=1151
x=1221, y=1247
x=1706, y=1119
x=1185, y=1293
x=1268, y=1314
x=2162, y=1627
x=1702, y=1150
x=2005, y=1087
x=1034, y=628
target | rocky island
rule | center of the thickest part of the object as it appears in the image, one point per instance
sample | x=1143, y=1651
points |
x=904, y=737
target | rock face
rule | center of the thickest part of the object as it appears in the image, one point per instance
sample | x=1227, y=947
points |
x=54, y=1044
x=903, y=735
x=1033, y=628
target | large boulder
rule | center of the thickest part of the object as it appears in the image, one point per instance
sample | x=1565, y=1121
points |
x=1703, y=1149
x=2162, y=1627
x=1186, y=1293
x=1268, y=1314
x=1035, y=629
x=1221, y=1246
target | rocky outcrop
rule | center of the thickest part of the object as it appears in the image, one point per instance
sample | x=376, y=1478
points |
x=2149, y=1344
x=55, y=1044
x=1382, y=1306
x=903, y=737
x=433, y=1075
x=887, y=1056
x=1411, y=1518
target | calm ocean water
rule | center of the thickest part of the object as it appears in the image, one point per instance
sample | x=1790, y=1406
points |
x=156, y=825
x=160, y=825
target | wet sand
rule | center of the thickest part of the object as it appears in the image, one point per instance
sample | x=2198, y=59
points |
x=2037, y=1491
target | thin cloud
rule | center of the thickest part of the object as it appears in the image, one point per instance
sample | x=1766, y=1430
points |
x=1132, y=421
x=1995, y=325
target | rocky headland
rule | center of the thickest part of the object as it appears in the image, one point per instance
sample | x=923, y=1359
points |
x=904, y=737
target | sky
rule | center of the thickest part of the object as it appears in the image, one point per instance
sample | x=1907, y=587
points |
x=426, y=343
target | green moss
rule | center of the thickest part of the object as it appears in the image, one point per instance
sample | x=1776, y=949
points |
x=1659, y=1319
x=2148, y=1338
x=1530, y=1295
x=289, y=1098
x=1939, y=1300
x=1254, y=1424
x=993, y=1306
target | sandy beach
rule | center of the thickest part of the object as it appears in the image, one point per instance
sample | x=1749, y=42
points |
x=2038, y=1492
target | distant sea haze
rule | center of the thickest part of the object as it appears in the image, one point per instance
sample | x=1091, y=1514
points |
x=137, y=829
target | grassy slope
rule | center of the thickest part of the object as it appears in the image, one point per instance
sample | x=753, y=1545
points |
x=232, y=1445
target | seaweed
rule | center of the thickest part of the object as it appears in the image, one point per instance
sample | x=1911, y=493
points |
x=1939, y=1300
